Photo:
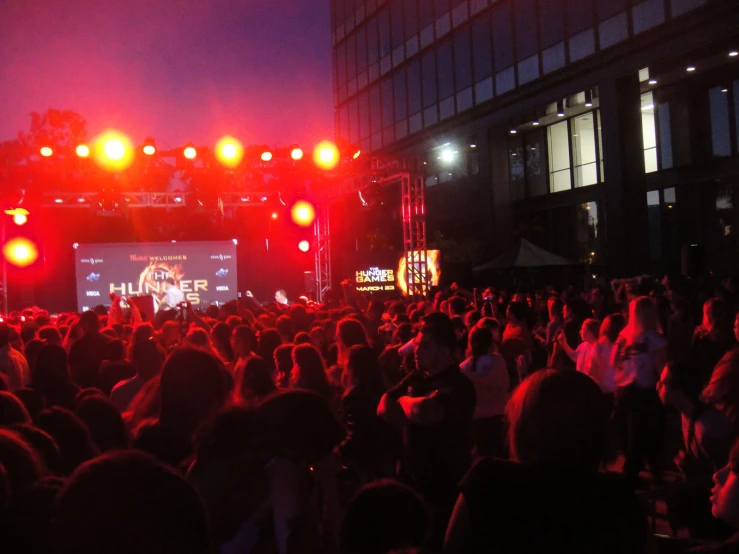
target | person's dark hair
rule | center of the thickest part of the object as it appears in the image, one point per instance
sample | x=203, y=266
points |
x=32, y=400
x=246, y=334
x=50, y=335
x=350, y=332
x=311, y=370
x=31, y=350
x=302, y=338
x=519, y=311
x=222, y=335
x=12, y=409
x=457, y=305
x=685, y=377
x=29, y=331
x=284, y=359
x=51, y=376
x=612, y=326
x=42, y=442
x=593, y=327
x=480, y=343
x=557, y=306
x=71, y=434
x=559, y=420
x=440, y=328
x=257, y=379
x=723, y=388
x=127, y=502
x=147, y=357
x=365, y=368
x=90, y=321
x=169, y=281
x=104, y=422
x=269, y=340
x=284, y=326
x=191, y=390
x=403, y=333
x=22, y=463
x=383, y=516
x=115, y=350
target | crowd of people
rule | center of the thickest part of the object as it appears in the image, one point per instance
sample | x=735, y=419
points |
x=463, y=421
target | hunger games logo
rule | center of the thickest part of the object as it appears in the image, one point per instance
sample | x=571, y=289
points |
x=366, y=280
x=152, y=279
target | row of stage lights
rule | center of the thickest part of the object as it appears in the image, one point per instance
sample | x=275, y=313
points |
x=114, y=151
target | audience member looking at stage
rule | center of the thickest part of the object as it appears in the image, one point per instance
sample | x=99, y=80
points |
x=88, y=351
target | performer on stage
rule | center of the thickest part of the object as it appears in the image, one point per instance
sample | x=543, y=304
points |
x=172, y=296
x=280, y=297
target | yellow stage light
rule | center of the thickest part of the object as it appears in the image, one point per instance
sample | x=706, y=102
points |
x=82, y=150
x=45, y=151
x=229, y=151
x=113, y=151
x=326, y=155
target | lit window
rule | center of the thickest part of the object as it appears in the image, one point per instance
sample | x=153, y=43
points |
x=584, y=155
x=720, y=128
x=559, y=157
x=649, y=132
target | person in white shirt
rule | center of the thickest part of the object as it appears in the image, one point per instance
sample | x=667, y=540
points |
x=639, y=356
x=609, y=332
x=172, y=296
x=281, y=298
x=489, y=374
x=585, y=355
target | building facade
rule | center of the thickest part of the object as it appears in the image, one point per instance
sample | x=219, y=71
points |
x=604, y=130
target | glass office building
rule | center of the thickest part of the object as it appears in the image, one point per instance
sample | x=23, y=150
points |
x=604, y=130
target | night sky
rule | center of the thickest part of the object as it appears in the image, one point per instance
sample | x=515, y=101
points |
x=176, y=70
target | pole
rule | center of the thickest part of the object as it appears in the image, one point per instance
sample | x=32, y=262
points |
x=5, y=268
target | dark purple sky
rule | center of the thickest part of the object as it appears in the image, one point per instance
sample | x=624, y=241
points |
x=177, y=70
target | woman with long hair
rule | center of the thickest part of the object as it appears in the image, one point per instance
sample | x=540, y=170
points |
x=309, y=372
x=269, y=340
x=220, y=336
x=51, y=378
x=639, y=356
x=713, y=338
x=488, y=372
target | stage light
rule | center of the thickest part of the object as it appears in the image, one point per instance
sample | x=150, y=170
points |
x=113, y=151
x=303, y=213
x=229, y=151
x=304, y=246
x=19, y=215
x=357, y=154
x=190, y=153
x=266, y=156
x=326, y=156
x=296, y=154
x=82, y=150
x=20, y=252
x=274, y=215
x=149, y=147
x=46, y=151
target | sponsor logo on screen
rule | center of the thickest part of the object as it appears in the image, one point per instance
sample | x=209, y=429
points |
x=92, y=277
x=221, y=288
x=220, y=257
x=92, y=293
x=222, y=272
x=91, y=261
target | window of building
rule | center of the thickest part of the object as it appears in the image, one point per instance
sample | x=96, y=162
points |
x=428, y=65
x=654, y=226
x=341, y=64
x=351, y=57
x=553, y=58
x=482, y=60
x=535, y=154
x=383, y=22
x=516, y=169
x=425, y=14
x=679, y=7
x=375, y=110
x=397, y=29
x=582, y=45
x=401, y=109
x=373, y=48
x=584, y=154
x=354, y=121
x=613, y=30
x=361, y=49
x=414, y=87
x=586, y=233
x=364, y=115
x=735, y=88
x=665, y=134
x=646, y=15
x=609, y=8
x=387, y=102
x=579, y=16
x=600, y=146
x=411, y=18
x=551, y=23
x=526, y=35
x=445, y=69
x=720, y=126
x=649, y=132
x=503, y=37
x=462, y=60
x=344, y=122
x=558, y=143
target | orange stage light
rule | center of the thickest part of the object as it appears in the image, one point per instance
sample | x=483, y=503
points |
x=82, y=150
x=45, y=151
x=326, y=155
x=304, y=246
x=150, y=150
x=266, y=156
x=20, y=252
x=113, y=151
x=303, y=213
x=229, y=151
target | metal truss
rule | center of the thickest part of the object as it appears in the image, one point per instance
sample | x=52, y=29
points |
x=322, y=232
x=154, y=199
x=382, y=173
